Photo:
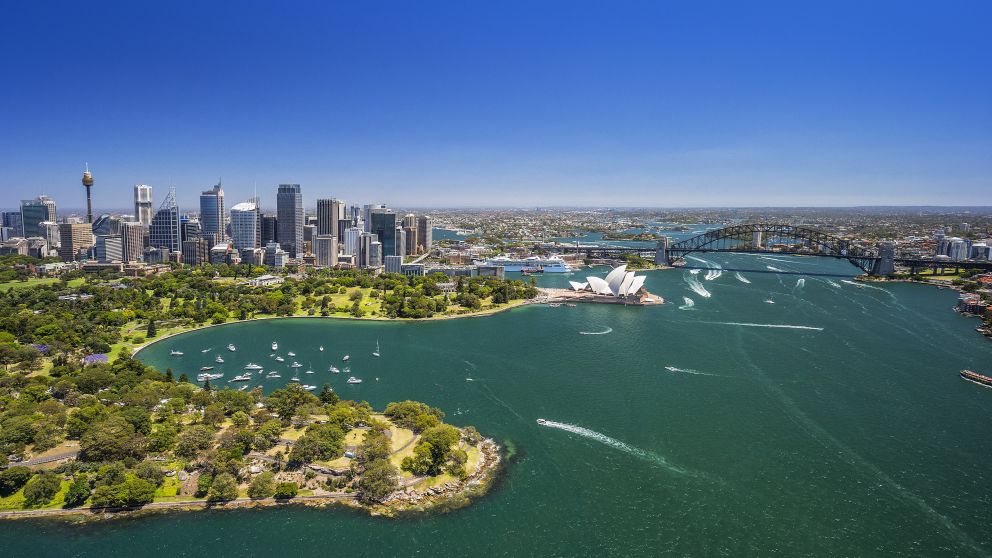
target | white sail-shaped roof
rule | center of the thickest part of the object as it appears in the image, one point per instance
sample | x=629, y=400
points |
x=615, y=278
x=599, y=286
x=636, y=284
x=576, y=286
x=628, y=278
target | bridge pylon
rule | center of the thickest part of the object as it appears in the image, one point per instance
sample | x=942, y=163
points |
x=661, y=251
x=885, y=264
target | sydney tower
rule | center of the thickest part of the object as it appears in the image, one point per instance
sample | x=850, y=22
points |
x=88, y=182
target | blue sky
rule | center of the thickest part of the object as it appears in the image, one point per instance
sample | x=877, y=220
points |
x=502, y=103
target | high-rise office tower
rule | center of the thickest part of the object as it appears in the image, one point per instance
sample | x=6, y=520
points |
x=75, y=239
x=383, y=225
x=330, y=213
x=88, y=183
x=289, y=210
x=132, y=241
x=12, y=220
x=212, y=214
x=143, y=204
x=425, y=232
x=364, y=253
x=411, y=239
x=367, y=210
x=270, y=229
x=351, y=236
x=325, y=248
x=400, y=248
x=106, y=225
x=375, y=254
x=409, y=220
x=245, y=226
x=108, y=248
x=49, y=230
x=166, y=229
x=34, y=212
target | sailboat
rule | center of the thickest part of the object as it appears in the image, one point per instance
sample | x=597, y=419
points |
x=376, y=353
x=309, y=368
x=321, y=348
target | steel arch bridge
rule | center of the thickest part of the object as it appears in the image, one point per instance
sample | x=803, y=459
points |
x=752, y=238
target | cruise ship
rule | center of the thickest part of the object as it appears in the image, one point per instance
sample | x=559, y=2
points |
x=553, y=264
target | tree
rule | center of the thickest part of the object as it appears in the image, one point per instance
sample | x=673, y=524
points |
x=163, y=438
x=151, y=331
x=319, y=442
x=194, y=440
x=78, y=492
x=263, y=486
x=224, y=487
x=378, y=480
x=151, y=472
x=111, y=440
x=286, y=490
x=240, y=419
x=12, y=479
x=327, y=395
x=41, y=489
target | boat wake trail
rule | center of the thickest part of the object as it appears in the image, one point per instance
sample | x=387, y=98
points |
x=604, y=332
x=675, y=370
x=697, y=287
x=775, y=269
x=713, y=274
x=781, y=326
x=741, y=278
x=474, y=367
x=834, y=284
x=616, y=444
x=689, y=303
x=864, y=286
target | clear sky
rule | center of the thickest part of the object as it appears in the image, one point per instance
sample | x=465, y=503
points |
x=502, y=103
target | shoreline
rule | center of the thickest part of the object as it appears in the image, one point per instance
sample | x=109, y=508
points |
x=981, y=329
x=480, y=314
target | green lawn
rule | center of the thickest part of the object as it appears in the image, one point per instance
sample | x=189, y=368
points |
x=36, y=281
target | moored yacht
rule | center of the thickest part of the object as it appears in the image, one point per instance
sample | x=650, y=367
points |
x=231, y=347
x=376, y=353
x=354, y=380
x=219, y=360
x=345, y=358
x=333, y=369
x=291, y=353
x=321, y=348
x=174, y=352
x=296, y=364
x=252, y=366
x=280, y=359
x=275, y=346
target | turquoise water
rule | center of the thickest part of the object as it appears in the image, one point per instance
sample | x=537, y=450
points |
x=847, y=433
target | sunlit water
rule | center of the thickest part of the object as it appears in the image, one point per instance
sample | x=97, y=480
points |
x=829, y=422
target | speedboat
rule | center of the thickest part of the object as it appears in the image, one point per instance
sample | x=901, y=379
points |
x=232, y=348
x=321, y=348
x=241, y=378
x=174, y=352
x=294, y=379
x=354, y=380
x=769, y=301
x=206, y=350
x=273, y=375
x=280, y=359
x=296, y=365
x=542, y=421
x=334, y=369
x=291, y=353
x=219, y=360
x=275, y=346
x=205, y=368
x=252, y=366
x=376, y=353
x=346, y=357
x=309, y=388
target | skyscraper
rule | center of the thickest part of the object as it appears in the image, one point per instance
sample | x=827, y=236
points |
x=351, y=236
x=383, y=225
x=75, y=238
x=166, y=230
x=88, y=183
x=132, y=241
x=326, y=249
x=289, y=211
x=330, y=212
x=245, y=226
x=12, y=219
x=108, y=248
x=212, y=214
x=425, y=232
x=143, y=204
x=34, y=212
x=270, y=229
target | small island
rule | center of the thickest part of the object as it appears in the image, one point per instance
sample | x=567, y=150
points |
x=104, y=439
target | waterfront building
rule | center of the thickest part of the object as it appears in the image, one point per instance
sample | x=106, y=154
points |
x=165, y=230
x=425, y=232
x=275, y=256
x=351, y=238
x=12, y=220
x=289, y=211
x=132, y=240
x=246, y=230
x=34, y=212
x=74, y=240
x=326, y=250
x=108, y=248
x=394, y=264
x=143, y=204
x=212, y=214
x=618, y=283
x=383, y=225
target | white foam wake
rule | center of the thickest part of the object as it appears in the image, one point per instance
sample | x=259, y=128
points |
x=801, y=282
x=604, y=332
x=698, y=288
x=675, y=370
x=688, y=303
x=833, y=284
x=775, y=269
x=741, y=278
x=700, y=260
x=782, y=326
x=615, y=444
x=864, y=285
x=713, y=274
x=694, y=271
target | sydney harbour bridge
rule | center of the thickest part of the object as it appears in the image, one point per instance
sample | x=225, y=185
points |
x=776, y=238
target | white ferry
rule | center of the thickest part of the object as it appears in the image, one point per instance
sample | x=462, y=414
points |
x=533, y=264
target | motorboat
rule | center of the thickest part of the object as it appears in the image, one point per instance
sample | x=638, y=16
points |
x=206, y=350
x=542, y=421
x=205, y=368
x=242, y=388
x=232, y=348
x=219, y=360
x=241, y=378
x=309, y=388
x=252, y=366
x=273, y=375
x=275, y=346
x=321, y=348
x=296, y=365
x=769, y=301
x=280, y=359
x=354, y=380
x=345, y=358
x=291, y=353
x=174, y=352
x=333, y=369
x=376, y=353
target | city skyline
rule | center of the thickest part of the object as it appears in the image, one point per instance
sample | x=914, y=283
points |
x=660, y=106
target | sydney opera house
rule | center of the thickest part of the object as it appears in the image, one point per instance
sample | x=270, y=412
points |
x=619, y=284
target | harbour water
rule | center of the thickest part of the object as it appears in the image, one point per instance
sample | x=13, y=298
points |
x=754, y=414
